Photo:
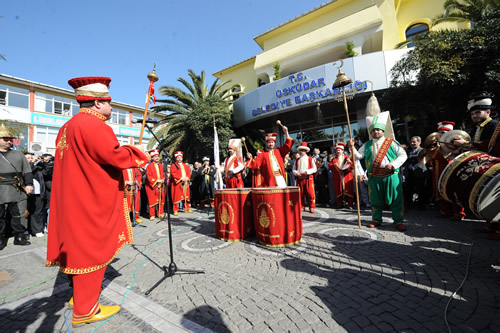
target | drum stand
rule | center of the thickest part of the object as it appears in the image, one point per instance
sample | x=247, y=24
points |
x=172, y=269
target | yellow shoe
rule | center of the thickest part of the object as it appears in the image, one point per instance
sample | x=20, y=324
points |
x=138, y=220
x=152, y=218
x=161, y=216
x=189, y=211
x=104, y=313
x=176, y=213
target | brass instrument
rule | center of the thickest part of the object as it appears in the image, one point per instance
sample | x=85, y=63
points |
x=448, y=148
x=432, y=140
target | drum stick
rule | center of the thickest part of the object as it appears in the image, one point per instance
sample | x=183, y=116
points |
x=278, y=122
x=244, y=143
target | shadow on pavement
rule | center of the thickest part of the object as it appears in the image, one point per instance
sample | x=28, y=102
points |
x=208, y=317
x=49, y=308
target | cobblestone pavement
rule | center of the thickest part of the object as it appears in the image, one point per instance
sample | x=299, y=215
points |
x=338, y=279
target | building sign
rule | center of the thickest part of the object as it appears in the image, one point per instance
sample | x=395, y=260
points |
x=48, y=120
x=132, y=131
x=302, y=91
x=314, y=85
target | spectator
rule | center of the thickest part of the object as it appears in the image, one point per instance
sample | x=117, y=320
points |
x=15, y=185
x=410, y=184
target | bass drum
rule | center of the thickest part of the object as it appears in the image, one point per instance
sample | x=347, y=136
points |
x=472, y=180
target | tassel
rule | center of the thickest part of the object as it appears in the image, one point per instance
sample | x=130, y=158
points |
x=372, y=106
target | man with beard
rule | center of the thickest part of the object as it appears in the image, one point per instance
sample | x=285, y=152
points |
x=271, y=163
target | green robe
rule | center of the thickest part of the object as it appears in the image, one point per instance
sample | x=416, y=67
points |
x=384, y=190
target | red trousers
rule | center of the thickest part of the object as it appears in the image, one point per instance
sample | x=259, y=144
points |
x=86, y=291
x=306, y=187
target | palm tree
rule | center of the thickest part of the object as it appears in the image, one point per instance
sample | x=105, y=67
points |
x=464, y=11
x=191, y=114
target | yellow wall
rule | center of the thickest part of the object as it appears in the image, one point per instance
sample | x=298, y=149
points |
x=316, y=37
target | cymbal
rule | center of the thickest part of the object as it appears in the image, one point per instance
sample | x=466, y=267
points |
x=431, y=139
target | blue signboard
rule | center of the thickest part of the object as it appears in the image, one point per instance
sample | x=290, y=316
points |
x=48, y=120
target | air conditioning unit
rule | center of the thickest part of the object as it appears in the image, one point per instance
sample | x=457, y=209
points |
x=37, y=147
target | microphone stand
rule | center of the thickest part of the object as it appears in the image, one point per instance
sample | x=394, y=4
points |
x=172, y=269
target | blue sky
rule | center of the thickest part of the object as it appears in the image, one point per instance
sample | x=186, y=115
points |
x=51, y=41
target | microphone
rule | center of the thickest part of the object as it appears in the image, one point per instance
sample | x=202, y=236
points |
x=149, y=121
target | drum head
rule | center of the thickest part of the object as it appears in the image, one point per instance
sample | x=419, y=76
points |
x=488, y=205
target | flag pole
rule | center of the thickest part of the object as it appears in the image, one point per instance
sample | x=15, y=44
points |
x=152, y=79
x=342, y=81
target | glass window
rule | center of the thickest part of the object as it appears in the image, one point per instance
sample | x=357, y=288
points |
x=46, y=136
x=18, y=100
x=120, y=117
x=13, y=96
x=144, y=142
x=55, y=104
x=415, y=30
x=123, y=140
x=236, y=89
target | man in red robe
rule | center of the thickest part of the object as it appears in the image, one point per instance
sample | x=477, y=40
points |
x=155, y=185
x=233, y=165
x=132, y=179
x=304, y=169
x=88, y=221
x=343, y=182
x=270, y=163
x=256, y=176
x=439, y=163
x=181, y=174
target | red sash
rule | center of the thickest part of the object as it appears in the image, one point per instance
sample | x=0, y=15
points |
x=377, y=171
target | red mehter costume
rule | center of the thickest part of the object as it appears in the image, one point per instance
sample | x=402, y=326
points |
x=256, y=175
x=343, y=180
x=304, y=169
x=271, y=164
x=180, y=190
x=88, y=220
x=133, y=192
x=234, y=163
x=155, y=190
x=439, y=163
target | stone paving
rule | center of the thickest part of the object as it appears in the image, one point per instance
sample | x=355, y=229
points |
x=338, y=279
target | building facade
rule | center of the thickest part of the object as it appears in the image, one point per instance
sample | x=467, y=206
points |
x=308, y=50
x=39, y=110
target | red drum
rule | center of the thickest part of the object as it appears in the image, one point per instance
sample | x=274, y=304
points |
x=277, y=215
x=472, y=180
x=233, y=214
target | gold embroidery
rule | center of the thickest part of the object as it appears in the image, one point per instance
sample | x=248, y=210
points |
x=263, y=219
x=66, y=270
x=224, y=216
x=291, y=233
x=262, y=214
x=94, y=113
x=121, y=237
x=226, y=213
x=290, y=203
x=62, y=145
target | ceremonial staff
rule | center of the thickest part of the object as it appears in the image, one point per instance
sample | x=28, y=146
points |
x=342, y=81
x=151, y=91
x=244, y=143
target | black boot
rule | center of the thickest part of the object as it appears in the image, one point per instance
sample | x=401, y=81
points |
x=20, y=240
x=3, y=242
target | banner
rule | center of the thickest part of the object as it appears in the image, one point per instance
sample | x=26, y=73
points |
x=218, y=176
